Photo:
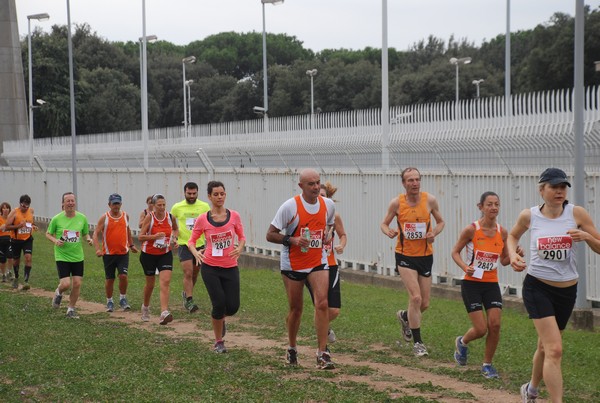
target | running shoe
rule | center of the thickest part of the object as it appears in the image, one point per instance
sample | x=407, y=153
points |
x=56, y=301
x=25, y=286
x=110, y=306
x=190, y=306
x=460, y=352
x=145, y=313
x=526, y=397
x=420, y=350
x=220, y=347
x=4, y=278
x=71, y=314
x=489, y=372
x=331, y=336
x=15, y=283
x=165, y=317
x=124, y=304
x=406, y=332
x=292, y=357
x=9, y=275
x=324, y=361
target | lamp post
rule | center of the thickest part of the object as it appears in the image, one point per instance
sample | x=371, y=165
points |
x=72, y=101
x=144, y=88
x=457, y=62
x=312, y=73
x=39, y=17
x=184, y=61
x=476, y=83
x=188, y=85
x=264, y=43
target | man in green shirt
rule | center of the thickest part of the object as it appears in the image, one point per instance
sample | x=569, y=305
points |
x=186, y=212
x=65, y=231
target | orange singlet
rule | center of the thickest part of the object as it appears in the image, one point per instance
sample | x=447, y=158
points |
x=23, y=233
x=7, y=233
x=316, y=223
x=413, y=223
x=484, y=252
x=159, y=246
x=115, y=235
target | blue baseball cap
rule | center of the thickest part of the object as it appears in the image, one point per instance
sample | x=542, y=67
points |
x=554, y=176
x=114, y=198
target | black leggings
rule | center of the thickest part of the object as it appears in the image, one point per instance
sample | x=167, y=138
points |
x=223, y=286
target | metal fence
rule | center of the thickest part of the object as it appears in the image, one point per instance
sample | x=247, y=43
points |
x=462, y=150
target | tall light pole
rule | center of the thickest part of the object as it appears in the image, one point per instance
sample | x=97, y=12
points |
x=184, y=61
x=476, y=84
x=188, y=85
x=458, y=62
x=312, y=73
x=144, y=86
x=39, y=17
x=72, y=101
x=507, y=89
x=264, y=43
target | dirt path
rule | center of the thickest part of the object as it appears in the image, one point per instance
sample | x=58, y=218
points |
x=385, y=377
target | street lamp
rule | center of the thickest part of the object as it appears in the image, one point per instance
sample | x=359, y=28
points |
x=39, y=17
x=184, y=61
x=188, y=85
x=311, y=74
x=144, y=80
x=457, y=62
x=476, y=83
x=264, y=40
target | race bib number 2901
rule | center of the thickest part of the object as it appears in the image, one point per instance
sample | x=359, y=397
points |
x=555, y=248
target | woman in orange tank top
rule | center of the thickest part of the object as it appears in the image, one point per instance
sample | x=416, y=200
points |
x=5, y=255
x=485, y=241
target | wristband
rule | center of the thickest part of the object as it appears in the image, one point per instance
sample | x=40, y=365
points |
x=286, y=240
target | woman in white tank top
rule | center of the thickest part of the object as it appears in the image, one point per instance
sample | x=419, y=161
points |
x=550, y=286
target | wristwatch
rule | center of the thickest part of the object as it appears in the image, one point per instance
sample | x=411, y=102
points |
x=286, y=240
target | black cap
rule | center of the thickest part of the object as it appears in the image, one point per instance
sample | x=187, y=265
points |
x=554, y=176
x=114, y=198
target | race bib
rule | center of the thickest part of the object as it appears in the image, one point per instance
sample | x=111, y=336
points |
x=486, y=261
x=70, y=236
x=415, y=230
x=161, y=243
x=189, y=223
x=220, y=242
x=316, y=239
x=26, y=229
x=555, y=248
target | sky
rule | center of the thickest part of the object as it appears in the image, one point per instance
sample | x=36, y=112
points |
x=319, y=24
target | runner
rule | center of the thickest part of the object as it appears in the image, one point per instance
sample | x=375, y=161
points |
x=305, y=220
x=334, y=296
x=149, y=208
x=219, y=270
x=5, y=252
x=485, y=241
x=550, y=286
x=65, y=231
x=186, y=212
x=158, y=235
x=414, y=250
x=113, y=227
x=20, y=221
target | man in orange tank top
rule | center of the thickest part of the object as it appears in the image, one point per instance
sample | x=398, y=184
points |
x=305, y=220
x=414, y=251
x=20, y=221
x=113, y=227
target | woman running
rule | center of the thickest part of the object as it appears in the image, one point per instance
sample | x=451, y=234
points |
x=218, y=260
x=158, y=235
x=550, y=286
x=485, y=241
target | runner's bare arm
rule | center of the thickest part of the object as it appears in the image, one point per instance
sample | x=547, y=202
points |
x=387, y=220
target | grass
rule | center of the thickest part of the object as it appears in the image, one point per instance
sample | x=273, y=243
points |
x=44, y=357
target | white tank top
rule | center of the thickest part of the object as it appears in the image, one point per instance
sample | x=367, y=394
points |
x=552, y=250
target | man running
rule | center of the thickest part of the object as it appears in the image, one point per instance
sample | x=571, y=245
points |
x=65, y=231
x=306, y=220
x=186, y=212
x=20, y=221
x=113, y=227
x=414, y=251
